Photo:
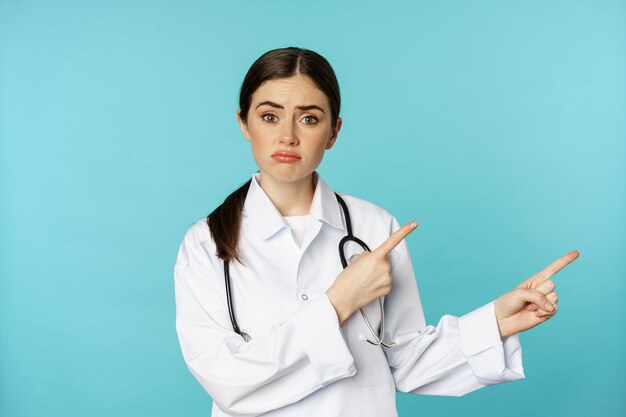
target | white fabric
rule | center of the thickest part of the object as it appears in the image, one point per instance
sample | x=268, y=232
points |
x=300, y=362
x=299, y=225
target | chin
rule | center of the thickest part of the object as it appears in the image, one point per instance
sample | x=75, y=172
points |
x=286, y=174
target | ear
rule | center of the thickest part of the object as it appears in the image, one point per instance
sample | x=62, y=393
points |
x=243, y=126
x=335, y=132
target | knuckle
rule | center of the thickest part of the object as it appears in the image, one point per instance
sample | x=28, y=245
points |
x=385, y=265
x=387, y=281
x=539, y=297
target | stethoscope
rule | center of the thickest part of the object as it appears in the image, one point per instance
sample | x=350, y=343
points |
x=378, y=339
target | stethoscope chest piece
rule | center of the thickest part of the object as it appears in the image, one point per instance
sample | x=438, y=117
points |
x=378, y=339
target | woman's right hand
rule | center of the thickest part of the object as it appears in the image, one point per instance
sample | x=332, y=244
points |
x=367, y=278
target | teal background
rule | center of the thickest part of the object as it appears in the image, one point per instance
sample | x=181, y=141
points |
x=499, y=126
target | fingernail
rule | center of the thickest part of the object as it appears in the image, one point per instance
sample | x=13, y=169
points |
x=549, y=307
x=413, y=225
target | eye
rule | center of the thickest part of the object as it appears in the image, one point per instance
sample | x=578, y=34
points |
x=310, y=120
x=269, y=118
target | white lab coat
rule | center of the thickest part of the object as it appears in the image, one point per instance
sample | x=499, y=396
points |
x=300, y=362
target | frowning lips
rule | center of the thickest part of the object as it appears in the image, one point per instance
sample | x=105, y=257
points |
x=286, y=153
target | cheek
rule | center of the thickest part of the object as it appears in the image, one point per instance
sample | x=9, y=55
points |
x=258, y=148
x=259, y=133
x=317, y=149
x=261, y=145
x=320, y=140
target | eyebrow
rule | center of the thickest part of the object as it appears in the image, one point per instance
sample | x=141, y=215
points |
x=278, y=106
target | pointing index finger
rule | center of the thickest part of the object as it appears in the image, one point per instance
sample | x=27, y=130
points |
x=556, y=266
x=395, y=238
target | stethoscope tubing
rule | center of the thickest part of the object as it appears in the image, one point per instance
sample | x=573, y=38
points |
x=378, y=339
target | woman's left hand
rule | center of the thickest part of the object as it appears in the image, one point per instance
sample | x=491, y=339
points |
x=528, y=304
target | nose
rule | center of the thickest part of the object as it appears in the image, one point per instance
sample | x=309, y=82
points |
x=288, y=134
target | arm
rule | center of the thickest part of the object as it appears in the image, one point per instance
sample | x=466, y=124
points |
x=296, y=357
x=458, y=356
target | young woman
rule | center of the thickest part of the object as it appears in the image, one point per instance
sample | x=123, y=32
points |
x=265, y=311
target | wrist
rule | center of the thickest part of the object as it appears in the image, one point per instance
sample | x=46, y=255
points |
x=343, y=313
x=504, y=332
x=501, y=327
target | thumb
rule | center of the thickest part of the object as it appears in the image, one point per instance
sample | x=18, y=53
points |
x=536, y=297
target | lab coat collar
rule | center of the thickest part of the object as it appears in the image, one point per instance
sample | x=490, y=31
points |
x=266, y=220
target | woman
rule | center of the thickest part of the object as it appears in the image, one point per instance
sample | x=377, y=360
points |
x=300, y=349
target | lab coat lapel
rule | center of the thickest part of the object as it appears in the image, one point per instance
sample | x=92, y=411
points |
x=262, y=215
x=265, y=219
x=325, y=209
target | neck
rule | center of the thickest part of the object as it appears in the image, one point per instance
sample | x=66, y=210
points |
x=290, y=198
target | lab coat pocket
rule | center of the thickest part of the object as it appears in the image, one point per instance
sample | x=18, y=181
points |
x=370, y=360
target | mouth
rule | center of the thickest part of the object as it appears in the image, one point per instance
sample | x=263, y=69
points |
x=285, y=156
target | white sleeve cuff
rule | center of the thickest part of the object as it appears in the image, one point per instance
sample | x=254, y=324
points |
x=317, y=329
x=493, y=359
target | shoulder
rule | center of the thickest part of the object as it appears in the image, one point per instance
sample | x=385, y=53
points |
x=197, y=245
x=198, y=234
x=367, y=211
x=372, y=223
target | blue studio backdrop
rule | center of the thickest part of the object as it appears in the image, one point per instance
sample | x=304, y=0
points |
x=499, y=126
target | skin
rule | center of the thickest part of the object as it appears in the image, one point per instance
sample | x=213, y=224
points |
x=306, y=132
x=290, y=187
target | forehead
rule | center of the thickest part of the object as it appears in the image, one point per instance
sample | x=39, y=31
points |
x=296, y=90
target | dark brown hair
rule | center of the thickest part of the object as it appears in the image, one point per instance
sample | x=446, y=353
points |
x=225, y=221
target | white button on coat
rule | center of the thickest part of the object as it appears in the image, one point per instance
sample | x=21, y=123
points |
x=300, y=362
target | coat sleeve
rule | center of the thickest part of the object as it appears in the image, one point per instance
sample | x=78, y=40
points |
x=458, y=356
x=296, y=357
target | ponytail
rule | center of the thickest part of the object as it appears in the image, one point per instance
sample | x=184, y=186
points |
x=225, y=222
